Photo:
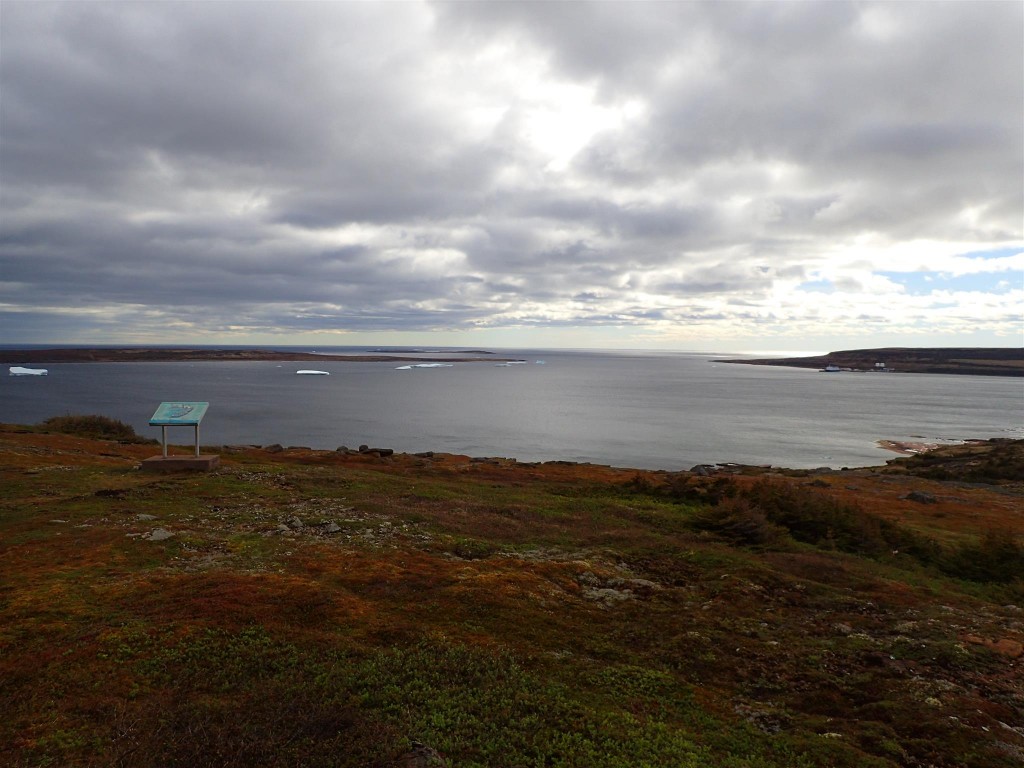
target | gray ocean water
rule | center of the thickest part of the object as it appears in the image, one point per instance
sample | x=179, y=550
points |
x=645, y=410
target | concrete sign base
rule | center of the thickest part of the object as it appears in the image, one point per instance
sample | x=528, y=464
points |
x=203, y=463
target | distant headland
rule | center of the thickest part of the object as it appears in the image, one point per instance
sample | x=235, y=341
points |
x=977, y=361
x=176, y=354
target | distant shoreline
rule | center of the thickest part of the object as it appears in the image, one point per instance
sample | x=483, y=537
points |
x=974, y=361
x=169, y=355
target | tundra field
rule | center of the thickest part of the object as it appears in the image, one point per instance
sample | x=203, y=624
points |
x=315, y=608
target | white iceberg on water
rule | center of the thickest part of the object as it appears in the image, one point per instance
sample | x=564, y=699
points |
x=423, y=365
x=17, y=370
x=312, y=373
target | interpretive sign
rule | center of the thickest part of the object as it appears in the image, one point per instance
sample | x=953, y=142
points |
x=178, y=415
x=174, y=414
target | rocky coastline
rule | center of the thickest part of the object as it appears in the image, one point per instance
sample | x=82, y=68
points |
x=975, y=361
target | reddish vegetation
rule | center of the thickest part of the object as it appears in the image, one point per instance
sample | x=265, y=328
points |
x=326, y=608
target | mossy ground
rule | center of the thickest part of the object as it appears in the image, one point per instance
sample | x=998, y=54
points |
x=493, y=614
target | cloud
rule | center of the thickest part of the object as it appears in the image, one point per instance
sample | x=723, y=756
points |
x=232, y=169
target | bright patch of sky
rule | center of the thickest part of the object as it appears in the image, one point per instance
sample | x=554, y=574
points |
x=924, y=283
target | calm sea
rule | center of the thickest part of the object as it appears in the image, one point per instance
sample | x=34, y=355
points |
x=649, y=410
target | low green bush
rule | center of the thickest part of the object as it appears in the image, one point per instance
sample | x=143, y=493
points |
x=738, y=521
x=101, y=427
x=997, y=558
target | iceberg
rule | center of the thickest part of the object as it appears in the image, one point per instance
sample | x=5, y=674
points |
x=312, y=373
x=17, y=370
x=423, y=365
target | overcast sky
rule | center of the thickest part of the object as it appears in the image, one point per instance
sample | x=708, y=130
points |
x=720, y=176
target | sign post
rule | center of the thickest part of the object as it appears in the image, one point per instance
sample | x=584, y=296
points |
x=179, y=414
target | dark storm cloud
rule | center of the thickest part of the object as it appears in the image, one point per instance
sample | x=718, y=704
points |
x=293, y=167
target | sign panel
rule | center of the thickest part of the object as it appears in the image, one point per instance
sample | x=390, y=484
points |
x=178, y=414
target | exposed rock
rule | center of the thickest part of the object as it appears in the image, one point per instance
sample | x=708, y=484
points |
x=275, y=448
x=342, y=449
x=762, y=719
x=332, y=527
x=424, y=455
x=158, y=534
x=609, y=596
x=642, y=586
x=363, y=448
x=296, y=523
x=421, y=756
x=141, y=516
x=921, y=497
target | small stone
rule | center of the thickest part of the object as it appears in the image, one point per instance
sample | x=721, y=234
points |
x=931, y=701
x=920, y=497
x=145, y=517
x=282, y=528
x=295, y=522
x=843, y=629
x=159, y=534
x=332, y=527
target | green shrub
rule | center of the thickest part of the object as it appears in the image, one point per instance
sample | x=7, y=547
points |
x=101, y=427
x=998, y=557
x=738, y=521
